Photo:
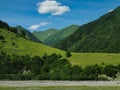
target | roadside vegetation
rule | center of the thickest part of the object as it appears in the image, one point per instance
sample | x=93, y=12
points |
x=51, y=67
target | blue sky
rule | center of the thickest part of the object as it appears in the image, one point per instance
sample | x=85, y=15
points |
x=39, y=15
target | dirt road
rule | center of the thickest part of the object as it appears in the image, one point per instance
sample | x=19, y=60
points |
x=59, y=83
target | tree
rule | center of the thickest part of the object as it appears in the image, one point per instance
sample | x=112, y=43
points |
x=76, y=72
x=1, y=37
x=55, y=74
x=36, y=65
x=13, y=29
x=110, y=71
x=23, y=34
x=4, y=25
x=68, y=54
x=45, y=56
x=91, y=72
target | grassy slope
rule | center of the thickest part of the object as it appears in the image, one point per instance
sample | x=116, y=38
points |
x=60, y=88
x=23, y=46
x=84, y=59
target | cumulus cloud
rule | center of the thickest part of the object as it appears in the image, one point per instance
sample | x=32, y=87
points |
x=110, y=10
x=53, y=7
x=36, y=26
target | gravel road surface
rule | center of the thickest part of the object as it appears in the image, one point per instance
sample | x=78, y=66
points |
x=59, y=83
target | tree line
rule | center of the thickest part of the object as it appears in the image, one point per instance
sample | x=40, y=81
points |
x=50, y=67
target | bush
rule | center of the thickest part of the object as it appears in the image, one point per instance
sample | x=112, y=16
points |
x=43, y=76
x=68, y=54
x=4, y=25
x=1, y=37
x=13, y=29
x=50, y=67
x=110, y=70
x=13, y=43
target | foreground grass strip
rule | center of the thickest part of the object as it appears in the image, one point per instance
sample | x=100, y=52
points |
x=60, y=88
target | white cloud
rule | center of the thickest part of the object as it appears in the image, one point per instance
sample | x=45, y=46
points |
x=110, y=10
x=53, y=7
x=35, y=27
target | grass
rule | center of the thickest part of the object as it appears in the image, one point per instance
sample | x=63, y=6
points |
x=60, y=88
x=85, y=59
x=23, y=46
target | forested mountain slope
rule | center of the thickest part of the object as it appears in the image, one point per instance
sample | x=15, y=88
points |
x=101, y=35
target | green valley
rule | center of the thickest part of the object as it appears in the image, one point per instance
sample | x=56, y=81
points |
x=20, y=46
x=52, y=36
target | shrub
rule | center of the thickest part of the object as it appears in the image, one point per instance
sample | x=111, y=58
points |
x=1, y=37
x=68, y=54
x=13, y=43
x=4, y=25
x=110, y=71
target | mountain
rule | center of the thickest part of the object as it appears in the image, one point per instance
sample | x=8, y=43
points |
x=101, y=35
x=43, y=35
x=29, y=35
x=19, y=31
x=61, y=34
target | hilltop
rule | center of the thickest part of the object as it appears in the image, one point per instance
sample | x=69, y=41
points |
x=29, y=35
x=19, y=30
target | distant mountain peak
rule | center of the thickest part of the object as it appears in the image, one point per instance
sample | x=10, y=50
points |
x=61, y=34
x=52, y=36
x=42, y=35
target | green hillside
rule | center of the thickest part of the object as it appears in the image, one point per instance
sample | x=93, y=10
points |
x=60, y=35
x=87, y=59
x=22, y=32
x=101, y=35
x=15, y=44
x=12, y=43
x=43, y=35
x=29, y=35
